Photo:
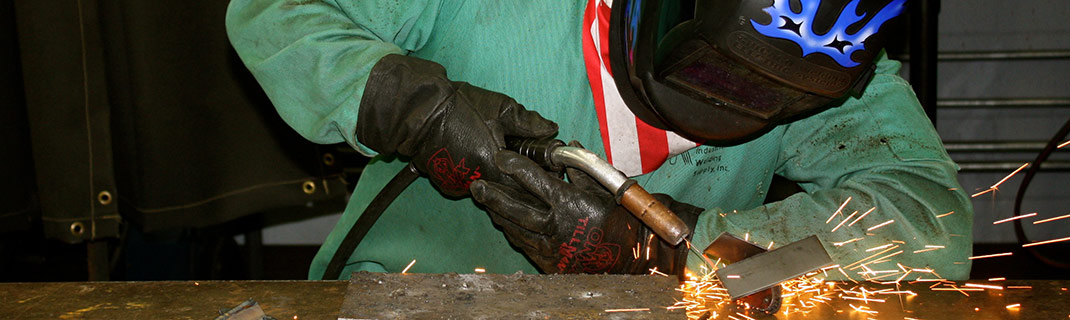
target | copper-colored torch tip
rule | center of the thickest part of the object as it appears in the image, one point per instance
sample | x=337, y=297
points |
x=654, y=214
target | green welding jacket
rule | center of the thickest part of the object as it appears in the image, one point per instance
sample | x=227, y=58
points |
x=879, y=150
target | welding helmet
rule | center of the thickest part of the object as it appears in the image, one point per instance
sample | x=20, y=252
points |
x=725, y=70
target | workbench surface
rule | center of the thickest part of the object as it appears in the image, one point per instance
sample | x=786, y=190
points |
x=323, y=300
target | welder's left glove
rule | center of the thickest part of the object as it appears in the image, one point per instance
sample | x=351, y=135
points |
x=576, y=227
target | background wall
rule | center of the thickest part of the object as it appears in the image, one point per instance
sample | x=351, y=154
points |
x=994, y=25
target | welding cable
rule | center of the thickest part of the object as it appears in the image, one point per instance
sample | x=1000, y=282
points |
x=1018, y=231
x=367, y=219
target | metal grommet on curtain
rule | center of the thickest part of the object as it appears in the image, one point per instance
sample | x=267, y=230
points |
x=77, y=228
x=328, y=159
x=309, y=187
x=104, y=197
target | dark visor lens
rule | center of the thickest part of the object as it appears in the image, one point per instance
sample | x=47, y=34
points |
x=718, y=79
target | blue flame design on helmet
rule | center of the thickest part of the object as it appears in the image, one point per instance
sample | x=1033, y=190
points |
x=836, y=43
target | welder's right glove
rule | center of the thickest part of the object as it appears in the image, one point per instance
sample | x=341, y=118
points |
x=451, y=130
x=576, y=227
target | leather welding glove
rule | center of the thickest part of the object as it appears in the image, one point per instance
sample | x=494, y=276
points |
x=451, y=130
x=576, y=227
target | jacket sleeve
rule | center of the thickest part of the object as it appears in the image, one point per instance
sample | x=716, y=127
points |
x=880, y=151
x=313, y=57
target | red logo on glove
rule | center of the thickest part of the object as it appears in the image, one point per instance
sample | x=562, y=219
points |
x=593, y=257
x=453, y=179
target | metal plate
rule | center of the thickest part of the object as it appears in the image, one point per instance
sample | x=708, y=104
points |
x=771, y=268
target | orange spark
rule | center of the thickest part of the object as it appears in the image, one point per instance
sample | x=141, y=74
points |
x=991, y=255
x=867, y=300
x=994, y=186
x=1062, y=145
x=628, y=310
x=867, y=258
x=732, y=276
x=480, y=270
x=844, y=221
x=863, y=309
x=1051, y=219
x=770, y=246
x=1015, y=218
x=880, y=225
x=878, y=248
x=997, y=279
x=1019, y=287
x=1012, y=306
x=846, y=242
x=985, y=286
x=982, y=192
x=1045, y=242
x=834, y=214
x=409, y=266
x=946, y=214
x=862, y=216
x=957, y=289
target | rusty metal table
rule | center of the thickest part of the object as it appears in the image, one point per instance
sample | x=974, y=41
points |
x=324, y=299
x=168, y=299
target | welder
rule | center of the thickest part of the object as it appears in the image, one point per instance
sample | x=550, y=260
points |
x=702, y=102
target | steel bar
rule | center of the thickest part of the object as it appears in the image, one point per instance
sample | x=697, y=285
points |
x=1004, y=103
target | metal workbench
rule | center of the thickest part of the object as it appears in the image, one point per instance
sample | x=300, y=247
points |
x=384, y=296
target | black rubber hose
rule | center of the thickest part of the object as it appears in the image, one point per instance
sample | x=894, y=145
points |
x=375, y=209
x=1033, y=169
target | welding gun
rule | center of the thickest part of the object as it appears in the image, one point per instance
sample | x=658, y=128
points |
x=554, y=155
x=551, y=154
